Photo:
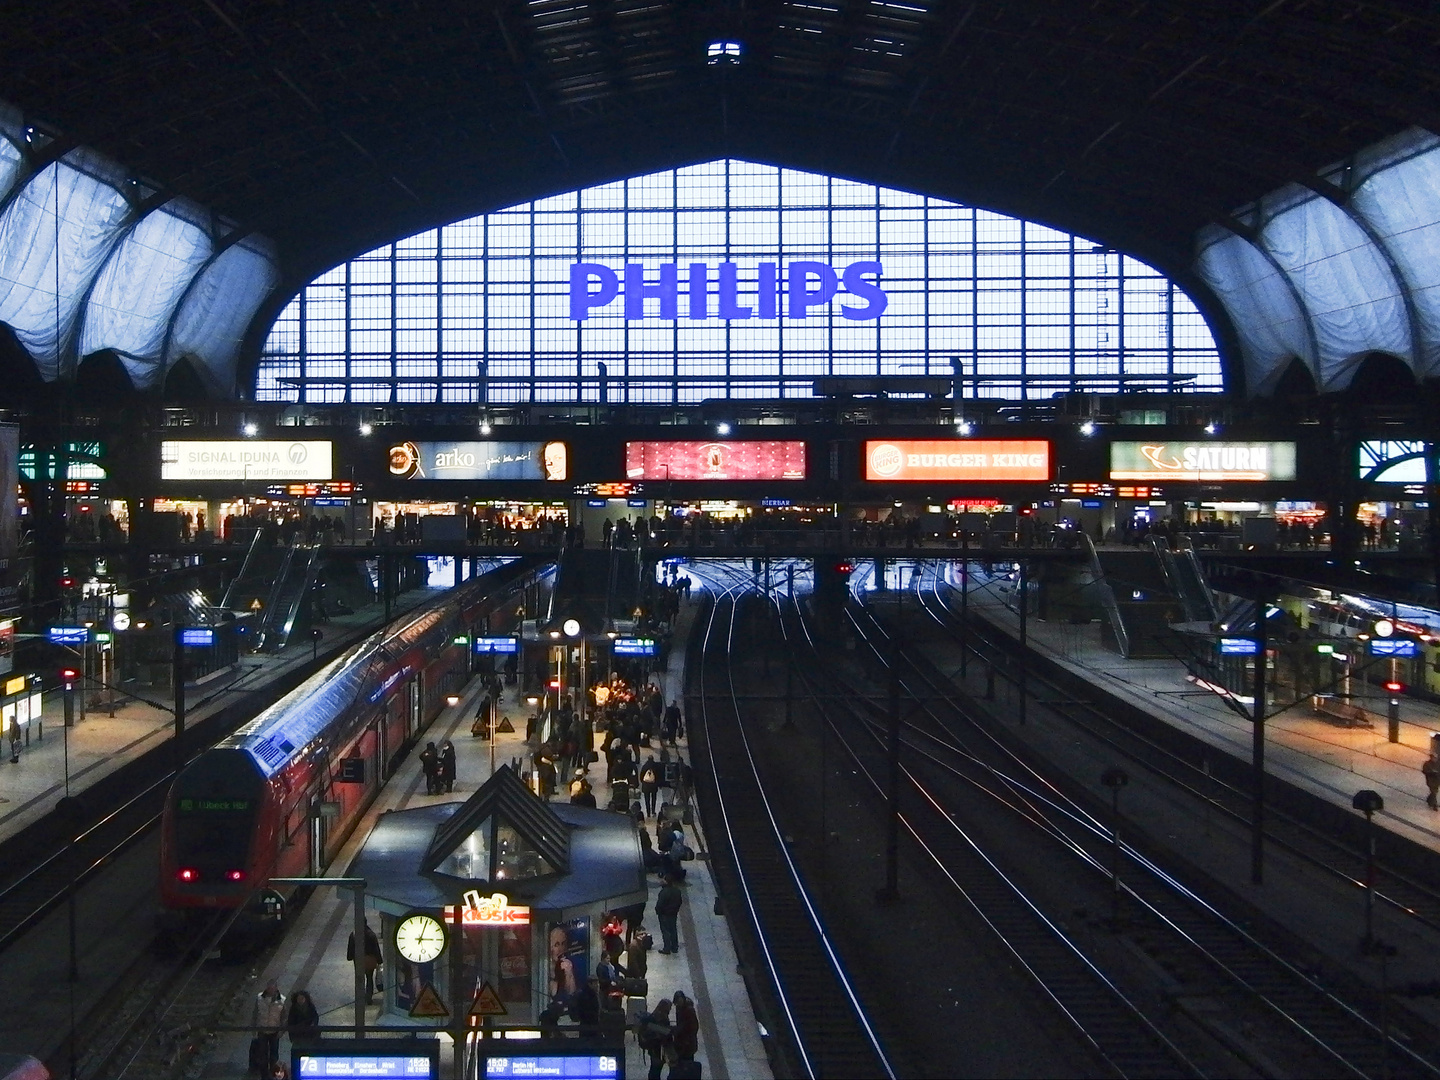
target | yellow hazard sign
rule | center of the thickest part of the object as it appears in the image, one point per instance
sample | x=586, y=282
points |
x=256, y=605
x=428, y=1004
x=487, y=1002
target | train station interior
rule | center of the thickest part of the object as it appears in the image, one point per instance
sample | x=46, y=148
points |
x=765, y=538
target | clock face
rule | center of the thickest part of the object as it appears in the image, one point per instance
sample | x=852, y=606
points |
x=420, y=938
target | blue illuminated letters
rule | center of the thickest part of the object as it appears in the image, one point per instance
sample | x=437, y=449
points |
x=807, y=284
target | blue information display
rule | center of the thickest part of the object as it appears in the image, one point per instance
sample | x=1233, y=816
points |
x=1405, y=647
x=634, y=646
x=1237, y=646
x=69, y=635
x=197, y=635
x=571, y=1066
x=497, y=645
x=400, y=1059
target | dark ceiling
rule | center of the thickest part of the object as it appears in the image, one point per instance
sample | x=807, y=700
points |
x=333, y=125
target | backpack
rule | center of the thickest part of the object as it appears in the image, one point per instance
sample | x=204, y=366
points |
x=649, y=1034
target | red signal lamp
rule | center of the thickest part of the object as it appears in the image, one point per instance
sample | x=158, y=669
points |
x=845, y=568
x=1395, y=687
x=69, y=675
x=67, y=582
x=234, y=875
x=187, y=874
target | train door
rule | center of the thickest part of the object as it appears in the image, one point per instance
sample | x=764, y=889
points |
x=318, y=835
x=380, y=753
x=413, y=719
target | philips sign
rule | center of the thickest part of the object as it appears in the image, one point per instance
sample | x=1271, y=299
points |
x=804, y=285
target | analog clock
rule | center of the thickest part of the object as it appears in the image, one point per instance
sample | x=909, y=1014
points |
x=419, y=937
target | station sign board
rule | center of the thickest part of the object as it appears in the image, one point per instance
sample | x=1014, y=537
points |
x=1202, y=461
x=1397, y=647
x=485, y=460
x=1238, y=646
x=68, y=635
x=497, y=645
x=400, y=1059
x=767, y=459
x=197, y=636
x=246, y=459
x=957, y=459
x=633, y=646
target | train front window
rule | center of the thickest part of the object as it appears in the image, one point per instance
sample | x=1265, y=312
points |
x=213, y=832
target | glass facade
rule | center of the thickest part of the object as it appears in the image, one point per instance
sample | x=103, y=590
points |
x=716, y=256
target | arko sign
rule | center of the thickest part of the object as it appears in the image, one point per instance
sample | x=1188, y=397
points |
x=792, y=290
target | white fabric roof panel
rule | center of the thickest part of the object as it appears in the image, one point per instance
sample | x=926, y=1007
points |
x=1401, y=204
x=138, y=289
x=1349, y=291
x=1268, y=320
x=58, y=229
x=211, y=320
x=11, y=164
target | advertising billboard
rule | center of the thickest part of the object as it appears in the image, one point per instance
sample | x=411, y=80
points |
x=480, y=461
x=1196, y=461
x=957, y=459
x=1392, y=461
x=752, y=460
x=246, y=459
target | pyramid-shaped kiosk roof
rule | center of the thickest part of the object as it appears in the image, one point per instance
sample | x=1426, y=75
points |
x=551, y=856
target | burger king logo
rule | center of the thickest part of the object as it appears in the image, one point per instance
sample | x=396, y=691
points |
x=886, y=459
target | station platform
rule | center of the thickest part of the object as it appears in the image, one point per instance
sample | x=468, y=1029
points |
x=55, y=759
x=706, y=968
x=1321, y=915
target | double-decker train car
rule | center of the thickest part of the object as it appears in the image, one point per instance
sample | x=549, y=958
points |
x=279, y=797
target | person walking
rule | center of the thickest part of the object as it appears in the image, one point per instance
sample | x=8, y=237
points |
x=371, y=959
x=650, y=785
x=667, y=910
x=303, y=1021
x=1431, y=769
x=480, y=728
x=268, y=1019
x=447, y=767
x=430, y=766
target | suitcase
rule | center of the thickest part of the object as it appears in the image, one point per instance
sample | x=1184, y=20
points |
x=638, y=986
x=634, y=1010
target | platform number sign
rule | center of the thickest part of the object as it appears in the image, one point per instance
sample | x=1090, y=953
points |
x=352, y=771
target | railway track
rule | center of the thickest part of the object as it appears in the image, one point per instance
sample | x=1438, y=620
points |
x=817, y=1008
x=1170, y=920
x=1190, y=773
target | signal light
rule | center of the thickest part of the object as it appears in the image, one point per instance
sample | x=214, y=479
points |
x=844, y=568
x=554, y=684
x=67, y=582
x=187, y=874
x=234, y=875
x=1395, y=687
x=69, y=675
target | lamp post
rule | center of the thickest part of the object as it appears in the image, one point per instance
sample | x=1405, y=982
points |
x=1369, y=802
x=1115, y=778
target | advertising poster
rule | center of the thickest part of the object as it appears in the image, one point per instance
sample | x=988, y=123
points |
x=1197, y=461
x=479, y=461
x=758, y=460
x=9, y=529
x=246, y=459
x=514, y=980
x=957, y=459
x=569, y=958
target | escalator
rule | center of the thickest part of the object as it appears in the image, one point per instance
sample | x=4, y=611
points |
x=1139, y=600
x=286, y=606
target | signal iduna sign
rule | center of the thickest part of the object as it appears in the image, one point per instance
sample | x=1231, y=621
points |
x=249, y=459
x=957, y=459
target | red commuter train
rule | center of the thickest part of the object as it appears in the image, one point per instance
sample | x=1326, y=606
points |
x=250, y=808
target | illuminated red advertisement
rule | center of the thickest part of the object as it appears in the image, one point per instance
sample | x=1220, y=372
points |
x=957, y=459
x=768, y=460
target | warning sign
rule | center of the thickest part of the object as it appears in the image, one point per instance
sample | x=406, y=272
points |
x=428, y=1004
x=487, y=1002
x=505, y=726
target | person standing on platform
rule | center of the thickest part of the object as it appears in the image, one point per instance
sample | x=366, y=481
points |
x=653, y=1032
x=303, y=1022
x=371, y=959
x=1431, y=769
x=667, y=910
x=650, y=785
x=687, y=1029
x=670, y=724
x=447, y=766
x=637, y=951
x=268, y=1020
x=430, y=766
x=480, y=728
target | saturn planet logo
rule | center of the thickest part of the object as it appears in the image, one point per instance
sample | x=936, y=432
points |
x=886, y=459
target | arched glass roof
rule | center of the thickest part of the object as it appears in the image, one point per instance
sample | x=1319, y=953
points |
x=1332, y=272
x=90, y=261
x=731, y=279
